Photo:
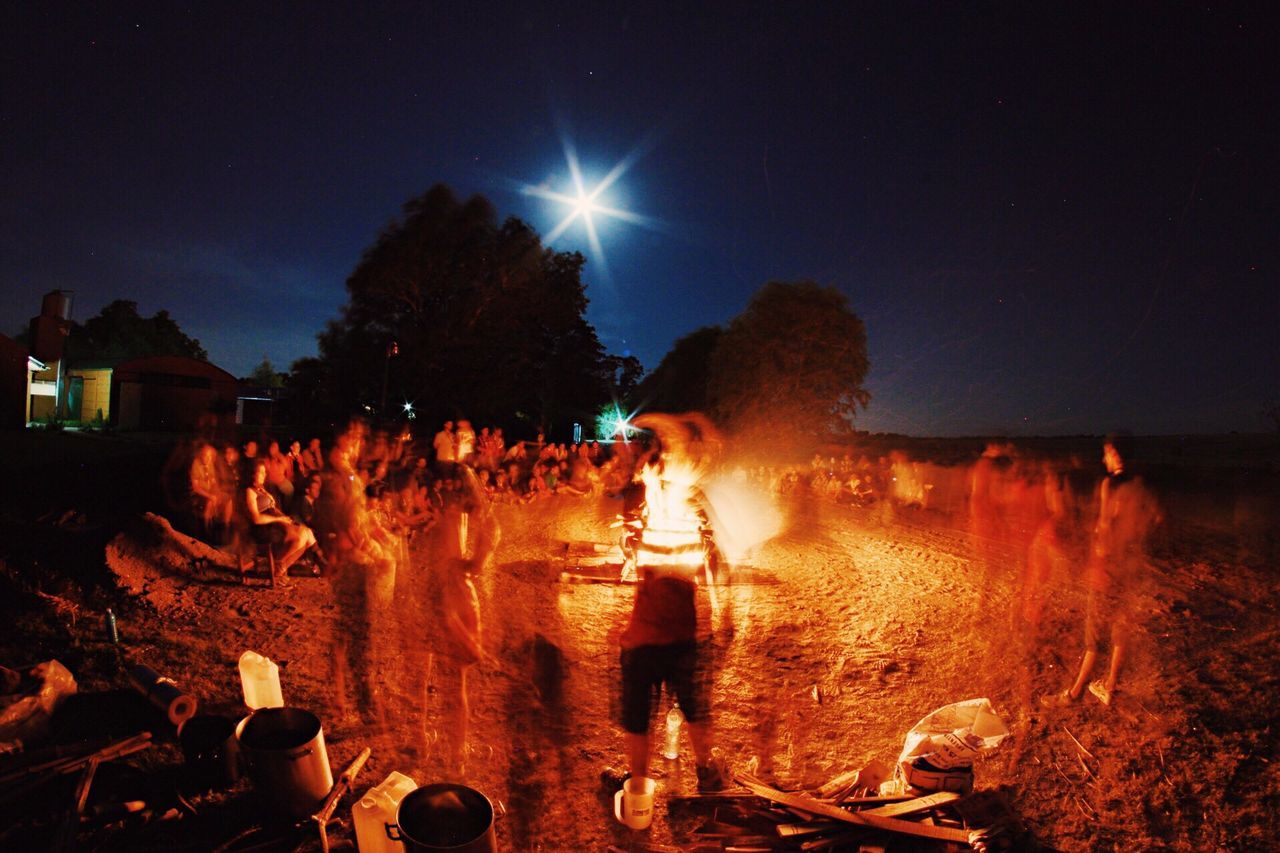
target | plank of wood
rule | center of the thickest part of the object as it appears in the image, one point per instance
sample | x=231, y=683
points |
x=817, y=807
x=919, y=804
x=811, y=827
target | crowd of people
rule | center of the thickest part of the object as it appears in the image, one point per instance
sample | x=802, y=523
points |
x=356, y=505
x=371, y=490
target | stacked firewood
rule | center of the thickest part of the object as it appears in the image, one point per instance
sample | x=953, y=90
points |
x=848, y=814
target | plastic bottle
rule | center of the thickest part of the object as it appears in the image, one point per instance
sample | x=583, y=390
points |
x=671, y=749
x=371, y=813
x=260, y=679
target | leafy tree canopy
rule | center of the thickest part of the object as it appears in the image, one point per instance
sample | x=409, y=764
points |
x=679, y=382
x=119, y=332
x=265, y=375
x=461, y=315
x=792, y=366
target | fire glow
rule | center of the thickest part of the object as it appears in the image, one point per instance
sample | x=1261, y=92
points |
x=672, y=533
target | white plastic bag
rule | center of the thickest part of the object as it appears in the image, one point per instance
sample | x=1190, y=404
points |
x=26, y=716
x=954, y=735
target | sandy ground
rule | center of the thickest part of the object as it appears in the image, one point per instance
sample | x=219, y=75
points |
x=876, y=618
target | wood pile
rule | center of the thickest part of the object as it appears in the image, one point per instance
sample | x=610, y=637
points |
x=847, y=814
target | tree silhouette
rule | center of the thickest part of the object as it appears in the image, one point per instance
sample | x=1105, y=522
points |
x=487, y=322
x=791, y=367
x=119, y=332
x=679, y=382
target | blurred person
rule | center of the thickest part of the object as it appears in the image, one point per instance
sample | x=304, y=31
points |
x=211, y=500
x=313, y=457
x=465, y=441
x=515, y=453
x=445, y=445
x=248, y=459
x=301, y=472
x=279, y=473
x=457, y=644
x=1127, y=513
x=662, y=649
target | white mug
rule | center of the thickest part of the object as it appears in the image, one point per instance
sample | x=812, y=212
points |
x=633, y=805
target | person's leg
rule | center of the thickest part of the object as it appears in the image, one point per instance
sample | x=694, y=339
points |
x=1117, y=657
x=701, y=736
x=461, y=719
x=296, y=542
x=637, y=745
x=1082, y=679
x=637, y=692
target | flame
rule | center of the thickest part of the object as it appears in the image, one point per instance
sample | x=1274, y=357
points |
x=672, y=534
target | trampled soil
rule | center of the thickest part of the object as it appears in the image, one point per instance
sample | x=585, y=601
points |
x=876, y=616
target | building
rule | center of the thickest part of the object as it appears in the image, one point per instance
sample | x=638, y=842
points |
x=17, y=371
x=166, y=393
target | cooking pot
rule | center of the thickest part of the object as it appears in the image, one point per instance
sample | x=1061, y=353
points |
x=445, y=816
x=288, y=764
x=211, y=752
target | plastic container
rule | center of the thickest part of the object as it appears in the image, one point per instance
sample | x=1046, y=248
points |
x=371, y=813
x=260, y=679
x=671, y=748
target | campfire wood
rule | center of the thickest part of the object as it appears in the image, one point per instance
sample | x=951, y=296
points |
x=340, y=788
x=808, y=804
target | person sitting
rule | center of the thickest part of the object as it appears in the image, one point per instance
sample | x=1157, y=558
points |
x=271, y=527
x=210, y=501
x=313, y=457
x=279, y=473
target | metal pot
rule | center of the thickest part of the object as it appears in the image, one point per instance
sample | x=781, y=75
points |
x=284, y=748
x=445, y=816
x=211, y=752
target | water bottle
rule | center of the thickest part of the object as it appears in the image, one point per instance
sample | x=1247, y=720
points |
x=260, y=680
x=377, y=808
x=671, y=749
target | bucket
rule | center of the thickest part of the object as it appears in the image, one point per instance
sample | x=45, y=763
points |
x=284, y=748
x=445, y=816
x=211, y=752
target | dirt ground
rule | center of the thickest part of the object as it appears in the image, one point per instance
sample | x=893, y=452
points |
x=862, y=620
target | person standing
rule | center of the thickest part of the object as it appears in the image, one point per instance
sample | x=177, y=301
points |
x=1127, y=513
x=465, y=443
x=446, y=449
x=661, y=651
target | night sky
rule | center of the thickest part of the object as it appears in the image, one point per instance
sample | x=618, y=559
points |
x=1053, y=219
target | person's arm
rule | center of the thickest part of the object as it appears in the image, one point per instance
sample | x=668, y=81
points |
x=196, y=487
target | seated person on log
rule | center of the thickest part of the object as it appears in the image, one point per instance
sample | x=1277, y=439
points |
x=271, y=527
x=210, y=502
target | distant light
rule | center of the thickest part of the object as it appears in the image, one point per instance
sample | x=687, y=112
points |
x=408, y=410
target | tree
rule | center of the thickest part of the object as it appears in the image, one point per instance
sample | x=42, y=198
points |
x=679, y=382
x=118, y=332
x=791, y=366
x=266, y=376
x=486, y=323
